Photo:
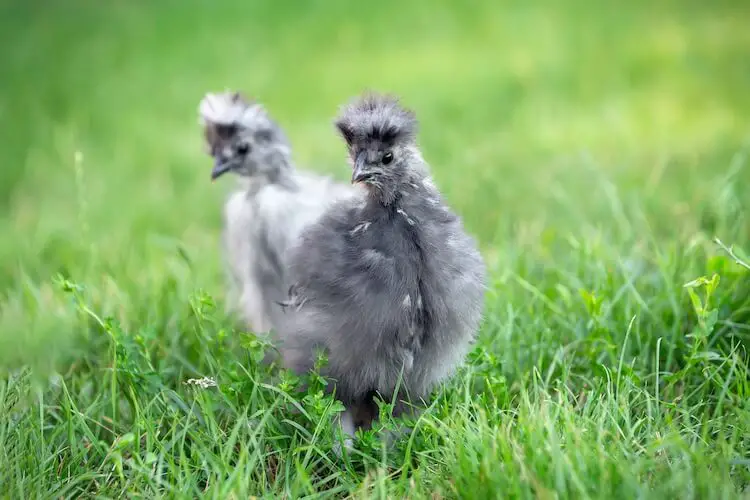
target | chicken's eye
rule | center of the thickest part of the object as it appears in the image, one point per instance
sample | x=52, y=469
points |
x=387, y=158
x=243, y=148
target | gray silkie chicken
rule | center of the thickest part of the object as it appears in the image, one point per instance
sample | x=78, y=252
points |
x=388, y=284
x=274, y=203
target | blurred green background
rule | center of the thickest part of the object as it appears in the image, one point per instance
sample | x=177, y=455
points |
x=528, y=110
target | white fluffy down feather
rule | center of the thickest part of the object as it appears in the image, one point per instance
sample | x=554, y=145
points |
x=266, y=215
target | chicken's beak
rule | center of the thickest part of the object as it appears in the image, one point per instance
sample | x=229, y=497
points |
x=220, y=168
x=360, y=172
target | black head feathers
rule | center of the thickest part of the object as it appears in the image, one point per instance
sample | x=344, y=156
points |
x=376, y=117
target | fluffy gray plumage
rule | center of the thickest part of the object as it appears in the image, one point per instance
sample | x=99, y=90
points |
x=266, y=215
x=389, y=285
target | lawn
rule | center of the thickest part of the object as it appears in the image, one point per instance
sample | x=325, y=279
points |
x=595, y=150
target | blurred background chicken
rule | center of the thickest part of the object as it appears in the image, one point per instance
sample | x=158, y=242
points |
x=274, y=202
x=388, y=284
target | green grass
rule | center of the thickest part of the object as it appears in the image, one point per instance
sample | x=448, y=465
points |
x=594, y=150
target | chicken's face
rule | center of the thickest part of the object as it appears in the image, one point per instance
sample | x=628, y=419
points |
x=379, y=135
x=232, y=149
x=241, y=137
x=377, y=163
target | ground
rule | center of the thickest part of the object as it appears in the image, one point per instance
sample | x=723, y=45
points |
x=595, y=151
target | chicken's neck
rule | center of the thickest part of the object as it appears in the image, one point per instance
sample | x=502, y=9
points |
x=278, y=171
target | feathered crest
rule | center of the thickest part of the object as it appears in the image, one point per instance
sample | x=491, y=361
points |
x=231, y=109
x=375, y=116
